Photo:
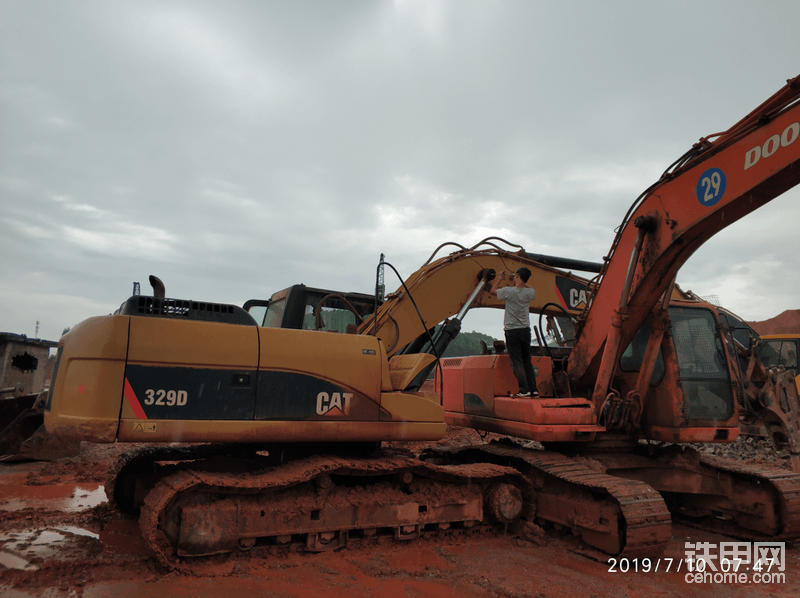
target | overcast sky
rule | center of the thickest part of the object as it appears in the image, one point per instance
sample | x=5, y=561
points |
x=234, y=148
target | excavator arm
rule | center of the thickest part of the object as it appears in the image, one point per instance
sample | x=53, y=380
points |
x=443, y=287
x=717, y=182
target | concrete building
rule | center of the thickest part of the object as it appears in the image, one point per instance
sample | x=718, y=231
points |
x=23, y=363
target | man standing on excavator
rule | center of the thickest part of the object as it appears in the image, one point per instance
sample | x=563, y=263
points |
x=517, y=327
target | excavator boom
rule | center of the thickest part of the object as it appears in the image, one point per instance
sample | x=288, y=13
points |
x=714, y=185
x=441, y=287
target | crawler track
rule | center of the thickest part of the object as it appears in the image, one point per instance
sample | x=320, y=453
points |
x=135, y=472
x=615, y=515
x=317, y=502
x=620, y=503
x=776, y=492
x=708, y=492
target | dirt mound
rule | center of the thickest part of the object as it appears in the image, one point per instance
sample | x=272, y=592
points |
x=786, y=323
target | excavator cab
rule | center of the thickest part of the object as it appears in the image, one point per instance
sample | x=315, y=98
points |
x=686, y=393
x=703, y=371
x=780, y=350
x=305, y=308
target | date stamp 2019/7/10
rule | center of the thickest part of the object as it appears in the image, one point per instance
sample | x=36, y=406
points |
x=723, y=563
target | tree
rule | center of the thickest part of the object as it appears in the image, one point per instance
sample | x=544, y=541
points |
x=467, y=343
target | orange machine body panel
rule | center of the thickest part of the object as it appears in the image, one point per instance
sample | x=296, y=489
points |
x=477, y=395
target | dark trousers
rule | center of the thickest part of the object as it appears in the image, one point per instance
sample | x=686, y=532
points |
x=518, y=344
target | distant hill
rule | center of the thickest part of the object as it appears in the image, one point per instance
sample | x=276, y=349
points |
x=786, y=323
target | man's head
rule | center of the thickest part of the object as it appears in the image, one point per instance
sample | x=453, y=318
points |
x=524, y=274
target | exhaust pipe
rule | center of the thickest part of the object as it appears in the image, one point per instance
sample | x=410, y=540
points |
x=158, y=287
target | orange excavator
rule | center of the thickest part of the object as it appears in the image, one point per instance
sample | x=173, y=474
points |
x=290, y=420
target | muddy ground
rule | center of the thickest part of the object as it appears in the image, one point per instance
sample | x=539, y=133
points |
x=59, y=537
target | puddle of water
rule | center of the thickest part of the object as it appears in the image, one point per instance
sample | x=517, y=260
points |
x=78, y=531
x=68, y=498
x=10, y=560
x=86, y=498
x=19, y=547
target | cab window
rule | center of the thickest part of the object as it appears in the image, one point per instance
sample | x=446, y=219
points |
x=702, y=364
x=274, y=315
x=780, y=352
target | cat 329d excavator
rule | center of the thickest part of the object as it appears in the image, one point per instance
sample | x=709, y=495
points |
x=289, y=419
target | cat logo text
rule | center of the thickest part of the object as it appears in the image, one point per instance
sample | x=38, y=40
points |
x=337, y=403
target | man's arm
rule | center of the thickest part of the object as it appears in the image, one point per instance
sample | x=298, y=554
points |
x=498, y=279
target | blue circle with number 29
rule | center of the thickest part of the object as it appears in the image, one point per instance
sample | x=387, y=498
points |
x=711, y=186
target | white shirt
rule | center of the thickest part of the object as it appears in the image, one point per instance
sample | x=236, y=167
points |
x=518, y=303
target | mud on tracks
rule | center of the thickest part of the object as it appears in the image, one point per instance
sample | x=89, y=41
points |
x=93, y=551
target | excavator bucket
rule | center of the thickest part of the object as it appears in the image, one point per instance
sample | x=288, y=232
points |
x=11, y=407
x=23, y=435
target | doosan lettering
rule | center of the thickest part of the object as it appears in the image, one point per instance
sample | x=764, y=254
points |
x=771, y=145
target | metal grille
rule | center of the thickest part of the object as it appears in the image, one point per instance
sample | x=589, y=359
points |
x=185, y=309
x=451, y=362
x=704, y=377
x=179, y=308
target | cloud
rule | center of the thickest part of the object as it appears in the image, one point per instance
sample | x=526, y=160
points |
x=237, y=148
